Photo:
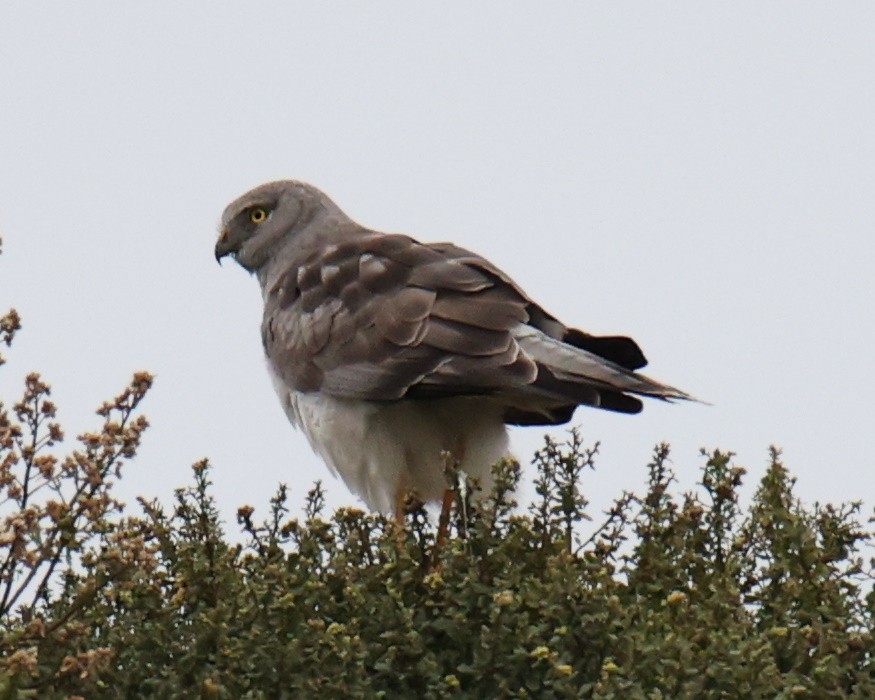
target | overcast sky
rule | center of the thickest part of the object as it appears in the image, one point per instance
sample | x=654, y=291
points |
x=699, y=176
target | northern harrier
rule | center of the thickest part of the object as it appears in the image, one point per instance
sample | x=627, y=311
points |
x=388, y=352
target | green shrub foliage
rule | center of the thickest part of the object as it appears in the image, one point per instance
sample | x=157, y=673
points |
x=666, y=596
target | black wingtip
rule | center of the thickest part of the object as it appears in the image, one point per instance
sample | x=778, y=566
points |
x=618, y=349
x=555, y=415
x=620, y=403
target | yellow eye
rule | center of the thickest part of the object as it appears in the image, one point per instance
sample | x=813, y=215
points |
x=257, y=215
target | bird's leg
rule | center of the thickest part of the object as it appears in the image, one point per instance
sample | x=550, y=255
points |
x=444, y=519
x=451, y=471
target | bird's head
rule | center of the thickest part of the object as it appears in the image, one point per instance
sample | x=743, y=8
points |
x=262, y=220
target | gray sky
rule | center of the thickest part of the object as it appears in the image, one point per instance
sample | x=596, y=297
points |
x=699, y=176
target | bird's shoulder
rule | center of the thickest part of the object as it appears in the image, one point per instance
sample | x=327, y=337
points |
x=357, y=269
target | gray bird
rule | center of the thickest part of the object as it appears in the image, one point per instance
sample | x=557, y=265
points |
x=389, y=353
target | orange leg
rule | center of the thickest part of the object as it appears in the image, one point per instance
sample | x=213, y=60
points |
x=400, y=509
x=451, y=469
x=444, y=519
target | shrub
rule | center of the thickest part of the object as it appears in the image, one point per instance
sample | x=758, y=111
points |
x=670, y=596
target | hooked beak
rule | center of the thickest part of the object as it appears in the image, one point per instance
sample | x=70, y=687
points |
x=225, y=246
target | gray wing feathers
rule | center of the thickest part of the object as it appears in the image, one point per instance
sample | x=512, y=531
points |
x=497, y=309
x=401, y=319
x=381, y=317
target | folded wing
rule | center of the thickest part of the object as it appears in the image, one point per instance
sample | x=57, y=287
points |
x=381, y=317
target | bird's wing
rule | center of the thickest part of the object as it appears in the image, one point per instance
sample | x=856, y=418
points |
x=381, y=317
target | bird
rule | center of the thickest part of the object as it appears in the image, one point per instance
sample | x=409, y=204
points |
x=392, y=355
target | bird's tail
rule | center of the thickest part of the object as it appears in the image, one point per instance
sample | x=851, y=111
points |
x=588, y=378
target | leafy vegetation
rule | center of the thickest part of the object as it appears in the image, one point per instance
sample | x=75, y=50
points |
x=670, y=596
